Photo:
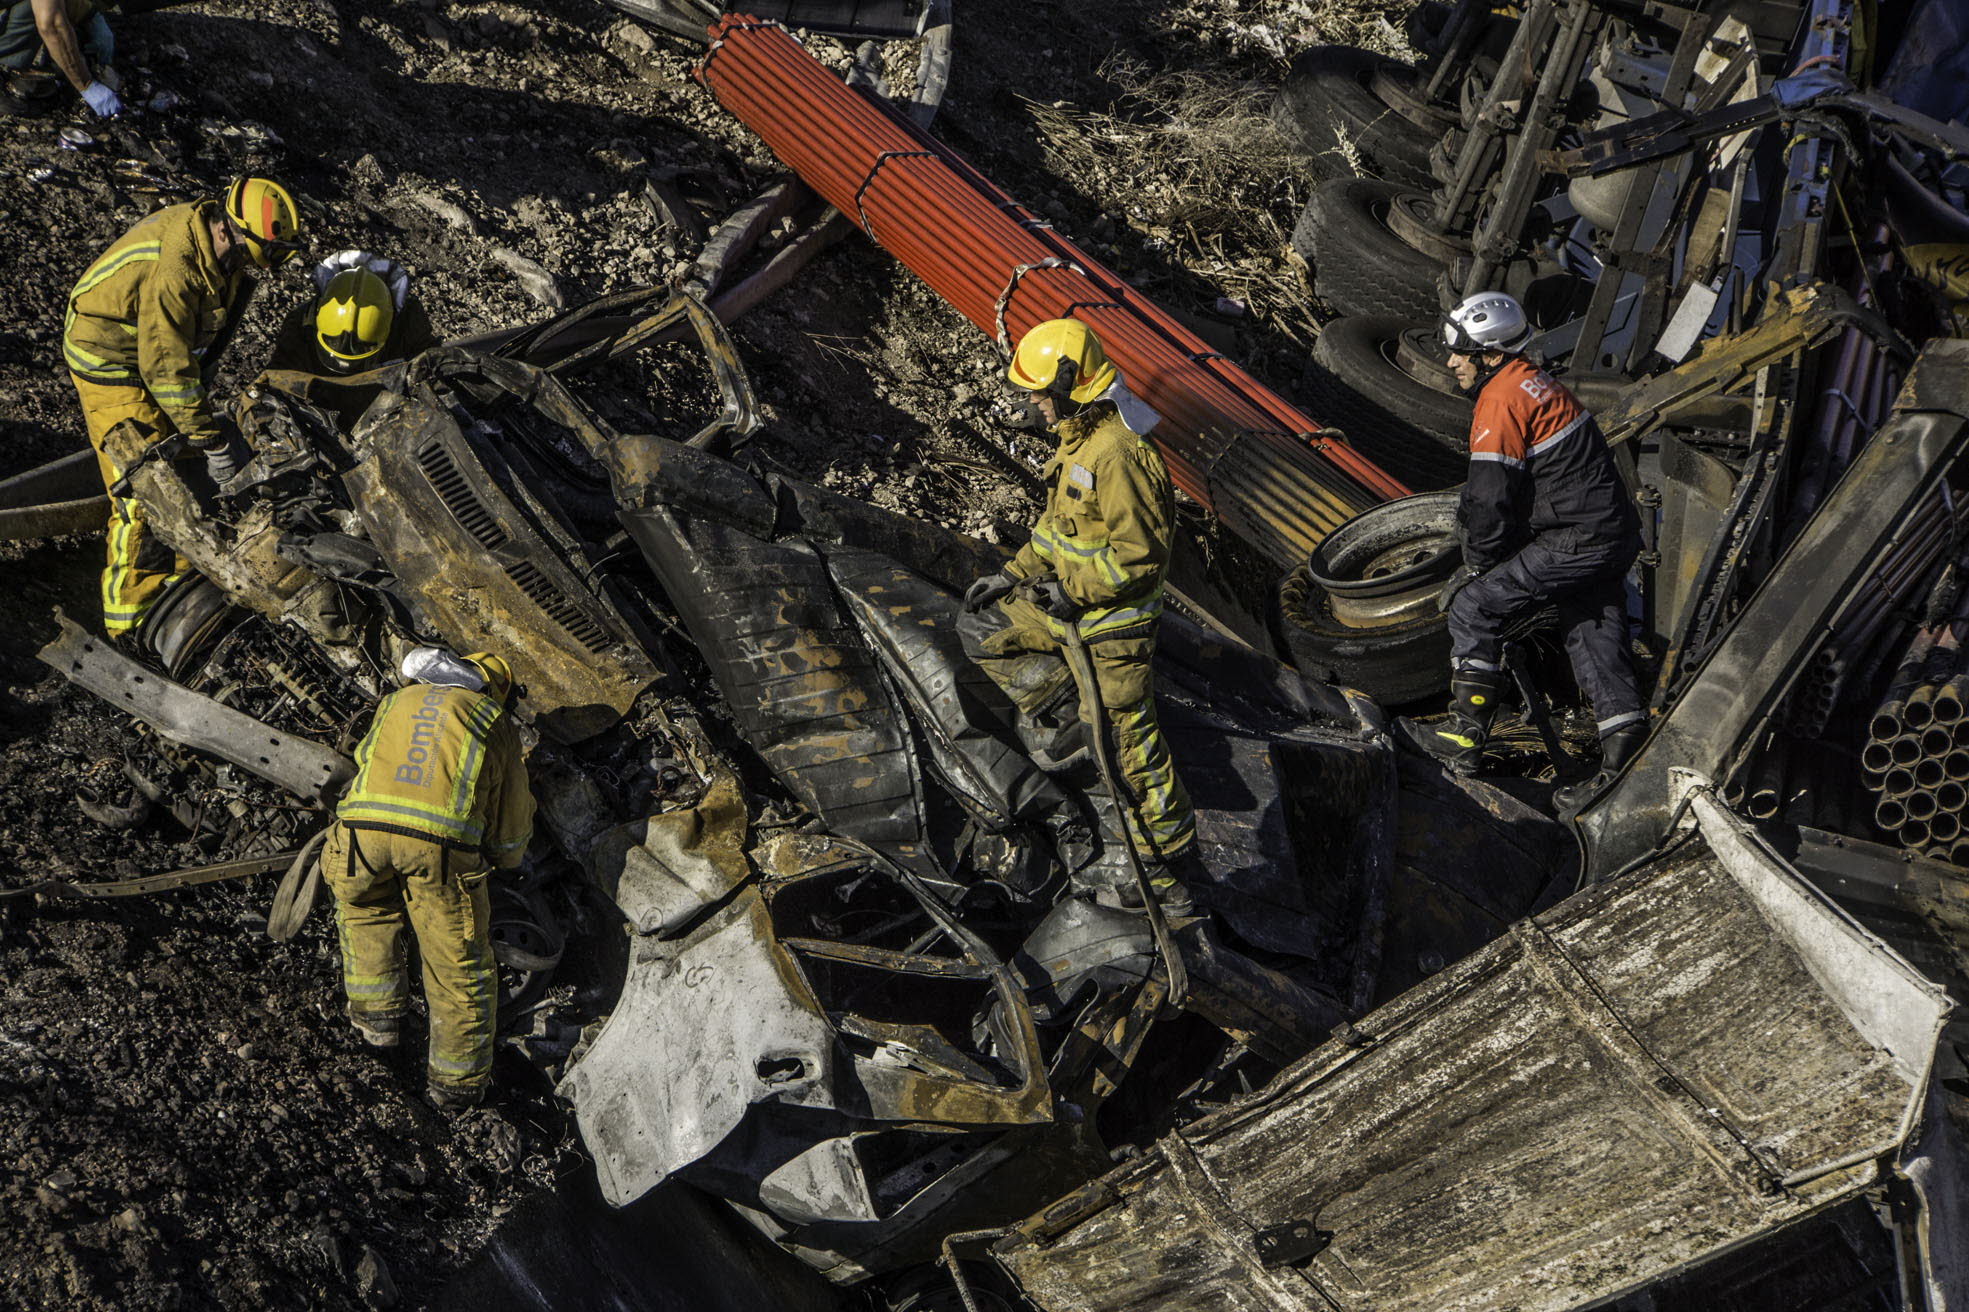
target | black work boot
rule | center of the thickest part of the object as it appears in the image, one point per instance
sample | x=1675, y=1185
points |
x=1457, y=742
x=1616, y=750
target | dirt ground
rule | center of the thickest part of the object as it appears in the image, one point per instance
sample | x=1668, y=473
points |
x=187, y=1120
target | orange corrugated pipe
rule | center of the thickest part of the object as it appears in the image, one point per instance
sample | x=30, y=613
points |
x=967, y=240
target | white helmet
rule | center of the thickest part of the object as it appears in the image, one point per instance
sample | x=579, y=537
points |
x=1488, y=321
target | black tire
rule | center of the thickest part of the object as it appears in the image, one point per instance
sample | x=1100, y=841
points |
x=1395, y=664
x=1359, y=265
x=1325, y=102
x=1358, y=385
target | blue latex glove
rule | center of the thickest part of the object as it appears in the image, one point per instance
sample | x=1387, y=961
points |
x=102, y=100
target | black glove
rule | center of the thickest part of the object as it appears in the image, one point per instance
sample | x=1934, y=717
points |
x=225, y=458
x=1049, y=596
x=985, y=591
x=1463, y=577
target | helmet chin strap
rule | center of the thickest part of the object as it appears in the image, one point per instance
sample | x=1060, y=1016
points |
x=1485, y=372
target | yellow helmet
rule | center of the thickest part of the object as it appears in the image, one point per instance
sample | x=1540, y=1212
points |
x=1064, y=358
x=265, y=217
x=498, y=674
x=352, y=319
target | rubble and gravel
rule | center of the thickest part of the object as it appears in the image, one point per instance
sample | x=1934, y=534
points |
x=188, y=1121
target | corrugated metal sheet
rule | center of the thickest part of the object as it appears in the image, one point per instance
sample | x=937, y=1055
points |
x=1655, y=1070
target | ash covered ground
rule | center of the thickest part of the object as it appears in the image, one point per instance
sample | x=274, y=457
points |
x=187, y=1121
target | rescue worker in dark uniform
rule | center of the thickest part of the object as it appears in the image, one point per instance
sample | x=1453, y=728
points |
x=440, y=797
x=1547, y=520
x=1095, y=561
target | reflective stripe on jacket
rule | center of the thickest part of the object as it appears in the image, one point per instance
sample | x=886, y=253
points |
x=144, y=313
x=1538, y=466
x=1106, y=526
x=443, y=763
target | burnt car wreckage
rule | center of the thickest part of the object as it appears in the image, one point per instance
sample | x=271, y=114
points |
x=1394, y=1068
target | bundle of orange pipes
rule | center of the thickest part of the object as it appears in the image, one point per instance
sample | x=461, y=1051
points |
x=1230, y=442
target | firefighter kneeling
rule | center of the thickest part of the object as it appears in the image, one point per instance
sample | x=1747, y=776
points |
x=440, y=796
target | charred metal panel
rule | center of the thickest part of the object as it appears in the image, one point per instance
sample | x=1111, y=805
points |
x=1693, y=492
x=801, y=684
x=664, y=870
x=306, y=769
x=941, y=554
x=705, y=1028
x=1753, y=666
x=1469, y=860
x=487, y=572
x=1276, y=1017
x=911, y=625
x=648, y=472
x=1656, y=1070
x=971, y=1184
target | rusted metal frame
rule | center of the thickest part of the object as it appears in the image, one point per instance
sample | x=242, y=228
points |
x=1804, y=318
x=1495, y=240
x=1275, y=1016
x=1729, y=555
x=143, y=884
x=1104, y=1043
x=1455, y=42
x=1623, y=261
x=908, y=963
x=1012, y=1019
x=1475, y=162
x=1779, y=630
x=306, y=769
x=739, y=233
x=1653, y=263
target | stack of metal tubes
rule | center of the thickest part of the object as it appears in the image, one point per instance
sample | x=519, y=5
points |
x=1916, y=759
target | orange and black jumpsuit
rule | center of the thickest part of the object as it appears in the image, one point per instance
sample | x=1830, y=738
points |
x=1547, y=521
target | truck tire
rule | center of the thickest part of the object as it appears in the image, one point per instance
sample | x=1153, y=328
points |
x=1395, y=664
x=1325, y=101
x=1360, y=266
x=1358, y=385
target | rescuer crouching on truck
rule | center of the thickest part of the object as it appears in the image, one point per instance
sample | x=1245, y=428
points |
x=1095, y=560
x=1547, y=520
x=439, y=798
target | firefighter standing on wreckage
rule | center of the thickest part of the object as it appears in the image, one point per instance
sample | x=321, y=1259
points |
x=145, y=325
x=1095, y=560
x=440, y=797
x=1546, y=520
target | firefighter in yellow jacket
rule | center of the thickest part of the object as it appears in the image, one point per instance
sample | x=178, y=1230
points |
x=145, y=324
x=439, y=798
x=1095, y=560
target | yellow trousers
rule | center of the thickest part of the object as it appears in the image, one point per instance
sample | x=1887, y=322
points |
x=1022, y=656
x=138, y=567
x=386, y=884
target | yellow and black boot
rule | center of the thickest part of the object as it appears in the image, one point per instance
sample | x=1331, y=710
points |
x=1458, y=742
